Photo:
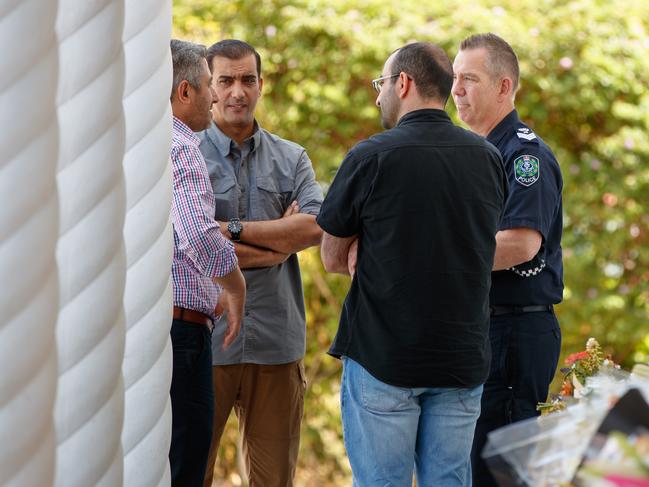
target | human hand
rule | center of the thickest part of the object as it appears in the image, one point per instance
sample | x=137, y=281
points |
x=293, y=209
x=232, y=305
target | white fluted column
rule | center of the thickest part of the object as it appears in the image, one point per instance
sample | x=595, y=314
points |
x=149, y=243
x=92, y=266
x=28, y=235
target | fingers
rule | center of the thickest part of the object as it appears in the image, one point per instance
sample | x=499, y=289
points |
x=228, y=338
x=231, y=332
x=292, y=209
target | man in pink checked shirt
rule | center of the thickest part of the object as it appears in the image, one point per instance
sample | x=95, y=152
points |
x=203, y=262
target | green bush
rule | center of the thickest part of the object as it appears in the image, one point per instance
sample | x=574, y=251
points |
x=585, y=70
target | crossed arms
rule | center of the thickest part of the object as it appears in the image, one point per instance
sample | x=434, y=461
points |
x=339, y=254
x=270, y=242
x=513, y=247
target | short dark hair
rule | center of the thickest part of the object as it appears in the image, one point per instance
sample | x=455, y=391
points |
x=233, y=49
x=429, y=66
x=501, y=58
x=186, y=58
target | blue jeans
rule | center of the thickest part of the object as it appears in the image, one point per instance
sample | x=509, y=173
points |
x=192, y=403
x=389, y=430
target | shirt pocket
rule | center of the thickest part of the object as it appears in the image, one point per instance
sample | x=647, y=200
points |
x=274, y=196
x=224, y=198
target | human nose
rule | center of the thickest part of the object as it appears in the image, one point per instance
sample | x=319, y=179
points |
x=457, y=89
x=215, y=97
x=237, y=90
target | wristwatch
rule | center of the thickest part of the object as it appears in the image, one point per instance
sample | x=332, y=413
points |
x=235, y=227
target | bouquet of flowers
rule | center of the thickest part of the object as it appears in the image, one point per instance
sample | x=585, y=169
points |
x=581, y=366
x=588, y=444
x=548, y=450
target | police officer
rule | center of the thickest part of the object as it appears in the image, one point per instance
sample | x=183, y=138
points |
x=527, y=278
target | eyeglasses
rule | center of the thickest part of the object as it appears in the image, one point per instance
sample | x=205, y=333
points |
x=378, y=82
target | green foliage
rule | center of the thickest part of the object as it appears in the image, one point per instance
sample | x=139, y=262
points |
x=585, y=70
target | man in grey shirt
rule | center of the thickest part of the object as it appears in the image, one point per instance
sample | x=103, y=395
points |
x=266, y=200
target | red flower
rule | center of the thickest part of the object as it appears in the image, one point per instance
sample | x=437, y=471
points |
x=573, y=357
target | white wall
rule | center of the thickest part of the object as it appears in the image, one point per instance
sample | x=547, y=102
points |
x=90, y=331
x=149, y=243
x=28, y=236
x=85, y=242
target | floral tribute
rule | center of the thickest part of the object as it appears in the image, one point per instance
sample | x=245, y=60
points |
x=580, y=366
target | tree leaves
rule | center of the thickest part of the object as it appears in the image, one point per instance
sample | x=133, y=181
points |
x=585, y=73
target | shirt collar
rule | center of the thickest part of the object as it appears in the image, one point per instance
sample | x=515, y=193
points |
x=183, y=129
x=503, y=127
x=425, y=114
x=225, y=144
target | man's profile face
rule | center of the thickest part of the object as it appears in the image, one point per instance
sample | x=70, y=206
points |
x=202, y=101
x=474, y=91
x=387, y=100
x=238, y=88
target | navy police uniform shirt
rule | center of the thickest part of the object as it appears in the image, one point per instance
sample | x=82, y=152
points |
x=534, y=202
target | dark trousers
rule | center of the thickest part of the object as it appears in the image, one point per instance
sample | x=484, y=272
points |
x=192, y=403
x=524, y=354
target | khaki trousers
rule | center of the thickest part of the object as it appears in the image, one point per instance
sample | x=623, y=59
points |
x=268, y=401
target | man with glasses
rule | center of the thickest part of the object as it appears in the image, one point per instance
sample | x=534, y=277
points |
x=412, y=213
x=266, y=198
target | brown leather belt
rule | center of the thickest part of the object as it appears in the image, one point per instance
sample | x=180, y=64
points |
x=192, y=316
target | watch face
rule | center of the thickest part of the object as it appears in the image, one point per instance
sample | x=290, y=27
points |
x=235, y=227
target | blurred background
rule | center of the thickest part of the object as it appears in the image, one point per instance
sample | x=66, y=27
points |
x=585, y=73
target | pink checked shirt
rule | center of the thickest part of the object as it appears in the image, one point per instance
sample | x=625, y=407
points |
x=200, y=250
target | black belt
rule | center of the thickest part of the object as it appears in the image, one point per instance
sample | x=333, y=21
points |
x=504, y=310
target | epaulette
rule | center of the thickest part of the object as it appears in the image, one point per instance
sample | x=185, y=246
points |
x=525, y=133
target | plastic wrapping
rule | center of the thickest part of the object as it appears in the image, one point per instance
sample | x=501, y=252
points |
x=547, y=450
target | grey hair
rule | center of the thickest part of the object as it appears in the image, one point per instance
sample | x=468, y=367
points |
x=501, y=58
x=186, y=57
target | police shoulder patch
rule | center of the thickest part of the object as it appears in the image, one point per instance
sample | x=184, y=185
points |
x=526, y=170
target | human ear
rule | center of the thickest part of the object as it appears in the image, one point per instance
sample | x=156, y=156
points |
x=182, y=92
x=405, y=83
x=506, y=86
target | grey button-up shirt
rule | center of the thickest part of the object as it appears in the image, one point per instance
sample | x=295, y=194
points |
x=257, y=182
